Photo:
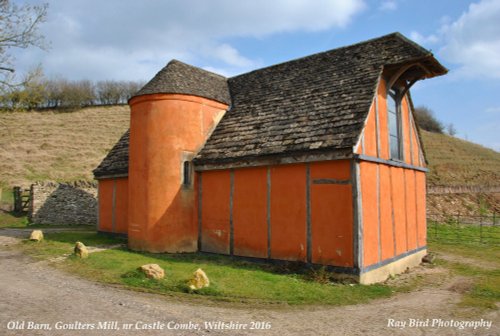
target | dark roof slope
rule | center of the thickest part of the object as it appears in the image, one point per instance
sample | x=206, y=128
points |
x=116, y=162
x=178, y=77
x=315, y=103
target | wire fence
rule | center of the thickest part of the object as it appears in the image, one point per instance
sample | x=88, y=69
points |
x=458, y=228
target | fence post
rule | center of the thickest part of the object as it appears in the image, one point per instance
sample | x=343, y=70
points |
x=18, y=201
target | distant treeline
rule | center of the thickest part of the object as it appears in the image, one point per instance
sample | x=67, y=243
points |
x=62, y=93
x=426, y=120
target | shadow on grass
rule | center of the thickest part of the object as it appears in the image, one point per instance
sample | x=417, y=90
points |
x=88, y=238
x=231, y=279
x=299, y=269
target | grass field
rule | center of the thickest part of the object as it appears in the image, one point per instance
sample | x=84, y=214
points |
x=235, y=280
x=59, y=146
x=453, y=161
x=231, y=280
x=480, y=263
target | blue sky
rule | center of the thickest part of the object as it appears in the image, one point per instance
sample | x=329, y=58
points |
x=132, y=40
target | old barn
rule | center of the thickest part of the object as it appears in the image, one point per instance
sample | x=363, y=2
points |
x=317, y=160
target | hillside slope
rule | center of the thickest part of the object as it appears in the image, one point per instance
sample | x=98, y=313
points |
x=453, y=161
x=67, y=146
x=60, y=146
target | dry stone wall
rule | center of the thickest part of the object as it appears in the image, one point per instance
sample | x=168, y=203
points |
x=72, y=203
x=462, y=189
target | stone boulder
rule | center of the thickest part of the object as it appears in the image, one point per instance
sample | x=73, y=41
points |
x=199, y=280
x=153, y=271
x=429, y=258
x=36, y=235
x=81, y=250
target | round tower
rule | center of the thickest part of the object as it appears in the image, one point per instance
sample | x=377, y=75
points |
x=171, y=118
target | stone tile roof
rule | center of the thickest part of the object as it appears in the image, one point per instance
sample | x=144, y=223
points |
x=178, y=77
x=315, y=104
x=116, y=162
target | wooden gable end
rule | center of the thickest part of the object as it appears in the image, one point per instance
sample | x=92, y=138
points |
x=374, y=140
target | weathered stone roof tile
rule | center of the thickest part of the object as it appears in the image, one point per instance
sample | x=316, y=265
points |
x=315, y=103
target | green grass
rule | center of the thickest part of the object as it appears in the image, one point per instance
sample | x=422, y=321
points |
x=235, y=280
x=231, y=280
x=10, y=220
x=62, y=243
x=484, y=292
x=7, y=195
x=463, y=233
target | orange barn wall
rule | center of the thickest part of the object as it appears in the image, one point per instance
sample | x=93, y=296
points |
x=250, y=212
x=370, y=205
x=393, y=216
x=106, y=205
x=386, y=213
x=273, y=199
x=331, y=214
x=113, y=219
x=121, y=205
x=398, y=197
x=416, y=155
x=215, y=211
x=411, y=208
x=162, y=127
x=382, y=120
x=288, y=212
x=421, y=210
x=405, y=129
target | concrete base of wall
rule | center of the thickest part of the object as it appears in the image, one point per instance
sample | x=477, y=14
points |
x=396, y=267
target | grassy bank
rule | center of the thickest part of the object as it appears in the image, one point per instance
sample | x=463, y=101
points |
x=231, y=280
x=453, y=161
x=235, y=280
x=11, y=220
x=479, y=264
x=54, y=145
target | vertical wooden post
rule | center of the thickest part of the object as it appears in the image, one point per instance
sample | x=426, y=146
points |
x=18, y=201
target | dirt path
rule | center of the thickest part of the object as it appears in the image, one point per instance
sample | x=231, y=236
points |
x=33, y=291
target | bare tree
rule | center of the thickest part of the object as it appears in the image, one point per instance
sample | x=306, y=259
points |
x=18, y=29
x=425, y=119
x=451, y=129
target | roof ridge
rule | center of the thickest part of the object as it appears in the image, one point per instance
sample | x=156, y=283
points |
x=395, y=34
x=174, y=60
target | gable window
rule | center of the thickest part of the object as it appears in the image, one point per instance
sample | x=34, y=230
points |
x=394, y=119
x=187, y=174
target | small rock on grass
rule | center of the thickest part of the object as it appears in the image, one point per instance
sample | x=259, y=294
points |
x=429, y=258
x=81, y=250
x=36, y=235
x=153, y=271
x=199, y=280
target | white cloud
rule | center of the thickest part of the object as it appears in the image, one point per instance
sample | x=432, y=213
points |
x=130, y=39
x=473, y=40
x=388, y=5
x=425, y=40
x=230, y=56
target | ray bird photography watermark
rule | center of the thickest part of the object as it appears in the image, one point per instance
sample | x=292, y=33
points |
x=439, y=323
